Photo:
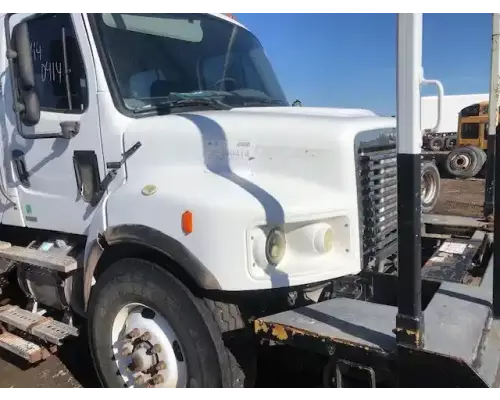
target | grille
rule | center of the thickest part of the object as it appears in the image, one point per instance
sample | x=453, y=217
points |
x=377, y=185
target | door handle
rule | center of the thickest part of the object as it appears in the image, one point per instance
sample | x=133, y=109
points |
x=20, y=166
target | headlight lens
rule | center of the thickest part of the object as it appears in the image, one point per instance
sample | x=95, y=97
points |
x=323, y=240
x=275, y=246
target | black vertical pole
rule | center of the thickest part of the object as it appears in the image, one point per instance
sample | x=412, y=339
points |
x=409, y=320
x=489, y=181
x=493, y=150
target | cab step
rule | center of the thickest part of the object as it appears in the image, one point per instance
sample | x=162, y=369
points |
x=23, y=348
x=55, y=261
x=37, y=325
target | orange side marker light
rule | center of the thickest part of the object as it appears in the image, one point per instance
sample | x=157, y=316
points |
x=187, y=222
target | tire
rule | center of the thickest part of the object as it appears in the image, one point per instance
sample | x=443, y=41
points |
x=436, y=144
x=201, y=357
x=239, y=341
x=431, y=186
x=450, y=143
x=463, y=162
x=482, y=156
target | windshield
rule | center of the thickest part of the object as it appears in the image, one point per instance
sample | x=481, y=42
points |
x=156, y=59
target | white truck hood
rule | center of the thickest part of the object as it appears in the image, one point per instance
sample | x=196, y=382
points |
x=242, y=169
x=319, y=111
x=292, y=154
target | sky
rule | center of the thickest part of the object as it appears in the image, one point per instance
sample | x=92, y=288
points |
x=349, y=60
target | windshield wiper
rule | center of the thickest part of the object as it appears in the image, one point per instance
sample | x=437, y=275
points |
x=186, y=102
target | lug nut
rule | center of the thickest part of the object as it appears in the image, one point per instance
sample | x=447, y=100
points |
x=127, y=350
x=133, y=333
x=155, y=349
x=146, y=336
x=161, y=366
x=156, y=380
x=139, y=381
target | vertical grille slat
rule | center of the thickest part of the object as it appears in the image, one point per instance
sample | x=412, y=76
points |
x=377, y=185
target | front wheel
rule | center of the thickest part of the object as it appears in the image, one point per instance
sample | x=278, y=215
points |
x=146, y=329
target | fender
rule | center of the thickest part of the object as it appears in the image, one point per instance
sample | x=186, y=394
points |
x=154, y=240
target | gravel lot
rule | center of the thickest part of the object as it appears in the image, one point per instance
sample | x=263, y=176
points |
x=72, y=367
x=461, y=197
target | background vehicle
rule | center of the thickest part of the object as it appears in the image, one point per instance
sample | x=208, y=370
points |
x=469, y=156
x=452, y=105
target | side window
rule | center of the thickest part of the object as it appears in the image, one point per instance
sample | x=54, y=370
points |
x=470, y=131
x=60, y=74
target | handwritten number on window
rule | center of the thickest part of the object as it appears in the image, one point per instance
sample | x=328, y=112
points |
x=51, y=71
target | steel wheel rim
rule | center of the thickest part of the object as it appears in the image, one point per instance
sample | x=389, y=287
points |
x=147, y=352
x=428, y=188
x=460, y=161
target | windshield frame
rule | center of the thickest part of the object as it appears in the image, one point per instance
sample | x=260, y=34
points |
x=112, y=80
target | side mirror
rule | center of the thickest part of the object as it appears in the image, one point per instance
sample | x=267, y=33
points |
x=28, y=103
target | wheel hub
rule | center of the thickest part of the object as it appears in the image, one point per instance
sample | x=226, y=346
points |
x=147, y=350
x=142, y=360
x=461, y=161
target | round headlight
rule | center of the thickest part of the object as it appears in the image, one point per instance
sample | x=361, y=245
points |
x=323, y=240
x=275, y=246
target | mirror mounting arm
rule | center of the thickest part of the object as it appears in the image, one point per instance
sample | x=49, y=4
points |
x=11, y=54
x=69, y=129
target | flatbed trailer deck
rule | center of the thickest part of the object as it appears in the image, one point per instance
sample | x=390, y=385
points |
x=461, y=335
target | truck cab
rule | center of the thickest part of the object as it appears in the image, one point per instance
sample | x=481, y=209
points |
x=157, y=184
x=180, y=96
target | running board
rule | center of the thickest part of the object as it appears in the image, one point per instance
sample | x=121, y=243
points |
x=37, y=325
x=54, y=261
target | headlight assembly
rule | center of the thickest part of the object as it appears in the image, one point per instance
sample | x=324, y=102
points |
x=275, y=246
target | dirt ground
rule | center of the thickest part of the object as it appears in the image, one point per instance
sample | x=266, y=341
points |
x=72, y=367
x=461, y=197
x=49, y=374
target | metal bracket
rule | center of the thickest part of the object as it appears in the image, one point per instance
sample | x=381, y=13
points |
x=343, y=367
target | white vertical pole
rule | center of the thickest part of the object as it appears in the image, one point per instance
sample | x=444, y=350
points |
x=409, y=320
x=409, y=70
x=494, y=76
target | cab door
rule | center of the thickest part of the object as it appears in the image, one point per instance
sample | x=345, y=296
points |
x=48, y=172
